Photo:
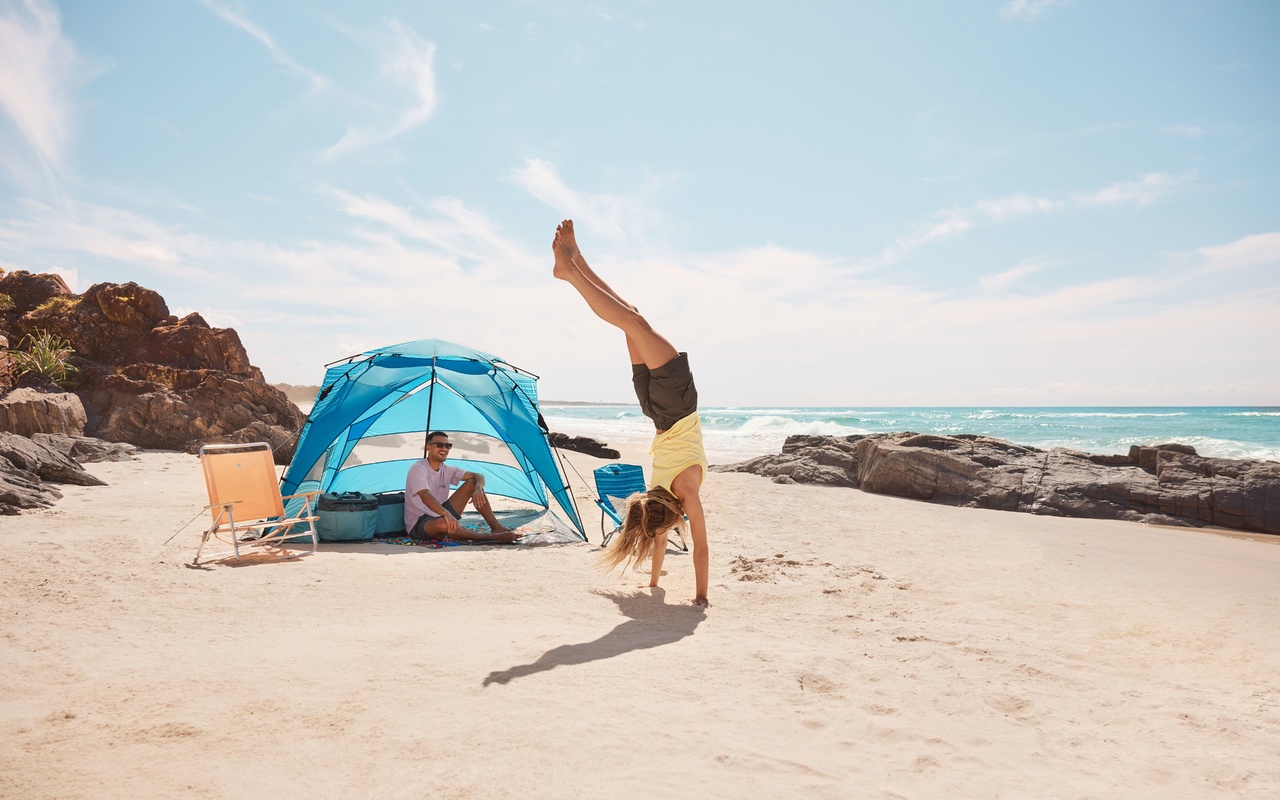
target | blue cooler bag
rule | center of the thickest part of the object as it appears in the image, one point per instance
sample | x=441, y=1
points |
x=347, y=517
x=390, y=513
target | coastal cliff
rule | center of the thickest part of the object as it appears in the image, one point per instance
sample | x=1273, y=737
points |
x=1165, y=484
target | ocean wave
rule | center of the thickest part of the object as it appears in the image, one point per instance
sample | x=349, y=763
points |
x=1119, y=415
x=775, y=426
x=1253, y=414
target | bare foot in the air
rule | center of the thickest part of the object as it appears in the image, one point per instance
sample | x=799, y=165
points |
x=564, y=267
x=568, y=239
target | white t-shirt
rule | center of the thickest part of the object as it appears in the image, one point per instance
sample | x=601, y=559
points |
x=422, y=476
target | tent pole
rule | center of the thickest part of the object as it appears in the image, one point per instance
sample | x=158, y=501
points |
x=431, y=397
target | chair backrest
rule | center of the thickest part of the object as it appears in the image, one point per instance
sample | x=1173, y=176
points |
x=617, y=482
x=244, y=473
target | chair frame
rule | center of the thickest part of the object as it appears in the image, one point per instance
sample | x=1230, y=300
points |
x=258, y=531
x=607, y=508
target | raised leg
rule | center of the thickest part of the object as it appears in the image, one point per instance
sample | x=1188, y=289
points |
x=466, y=493
x=643, y=342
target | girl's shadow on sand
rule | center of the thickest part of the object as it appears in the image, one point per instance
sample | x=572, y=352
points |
x=651, y=623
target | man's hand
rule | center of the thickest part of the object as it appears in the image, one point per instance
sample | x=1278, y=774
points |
x=451, y=525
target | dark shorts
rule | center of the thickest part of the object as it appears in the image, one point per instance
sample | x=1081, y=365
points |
x=425, y=518
x=666, y=394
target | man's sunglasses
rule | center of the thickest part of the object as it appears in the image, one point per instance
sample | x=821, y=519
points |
x=445, y=445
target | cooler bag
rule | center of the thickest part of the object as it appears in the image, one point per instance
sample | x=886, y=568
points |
x=347, y=517
x=390, y=513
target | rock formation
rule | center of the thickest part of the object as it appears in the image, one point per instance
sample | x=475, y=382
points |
x=582, y=444
x=145, y=376
x=1164, y=484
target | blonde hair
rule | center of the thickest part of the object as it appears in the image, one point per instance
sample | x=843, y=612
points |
x=648, y=514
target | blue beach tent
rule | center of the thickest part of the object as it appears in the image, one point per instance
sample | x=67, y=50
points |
x=374, y=410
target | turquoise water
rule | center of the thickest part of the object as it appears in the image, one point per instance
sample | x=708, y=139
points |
x=734, y=434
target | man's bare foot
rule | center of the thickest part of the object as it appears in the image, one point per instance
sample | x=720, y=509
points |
x=564, y=267
x=506, y=537
x=701, y=602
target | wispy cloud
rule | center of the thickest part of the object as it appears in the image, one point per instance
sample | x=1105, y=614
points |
x=1251, y=251
x=619, y=218
x=1002, y=281
x=39, y=71
x=951, y=222
x=282, y=58
x=1028, y=9
x=407, y=67
x=1142, y=192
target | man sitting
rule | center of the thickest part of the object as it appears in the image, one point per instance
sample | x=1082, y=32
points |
x=430, y=512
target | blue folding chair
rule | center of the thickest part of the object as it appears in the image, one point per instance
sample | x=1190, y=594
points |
x=614, y=484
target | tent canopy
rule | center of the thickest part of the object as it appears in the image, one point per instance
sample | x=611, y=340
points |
x=374, y=410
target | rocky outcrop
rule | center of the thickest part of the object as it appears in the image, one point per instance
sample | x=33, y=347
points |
x=27, y=411
x=1166, y=484
x=582, y=444
x=29, y=465
x=146, y=377
x=86, y=449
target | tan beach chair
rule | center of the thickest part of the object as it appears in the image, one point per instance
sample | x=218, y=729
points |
x=245, y=501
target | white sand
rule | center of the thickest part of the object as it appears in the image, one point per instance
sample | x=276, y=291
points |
x=859, y=646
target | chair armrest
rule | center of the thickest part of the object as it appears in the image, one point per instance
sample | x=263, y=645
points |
x=222, y=505
x=300, y=494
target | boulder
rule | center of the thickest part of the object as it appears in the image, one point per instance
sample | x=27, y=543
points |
x=29, y=291
x=21, y=489
x=86, y=449
x=1161, y=484
x=27, y=411
x=582, y=444
x=44, y=462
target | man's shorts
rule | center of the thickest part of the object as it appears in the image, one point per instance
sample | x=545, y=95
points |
x=667, y=394
x=425, y=518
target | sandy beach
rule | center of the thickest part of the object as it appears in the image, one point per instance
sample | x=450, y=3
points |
x=858, y=646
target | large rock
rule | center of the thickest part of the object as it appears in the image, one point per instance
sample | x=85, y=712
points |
x=148, y=378
x=44, y=462
x=86, y=449
x=28, y=291
x=21, y=489
x=582, y=444
x=27, y=411
x=1167, y=483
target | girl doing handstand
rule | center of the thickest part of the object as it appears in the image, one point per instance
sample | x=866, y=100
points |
x=665, y=388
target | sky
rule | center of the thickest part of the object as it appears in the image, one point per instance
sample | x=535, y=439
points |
x=959, y=202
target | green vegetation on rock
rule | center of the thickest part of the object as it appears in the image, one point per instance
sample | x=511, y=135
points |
x=45, y=354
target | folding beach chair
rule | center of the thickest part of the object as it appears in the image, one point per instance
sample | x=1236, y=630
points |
x=245, y=501
x=614, y=484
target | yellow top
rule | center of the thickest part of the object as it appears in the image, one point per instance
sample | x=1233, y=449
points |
x=675, y=450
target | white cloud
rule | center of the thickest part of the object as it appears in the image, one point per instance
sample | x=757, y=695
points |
x=1028, y=9
x=407, y=68
x=1004, y=280
x=1251, y=251
x=103, y=232
x=39, y=71
x=952, y=222
x=1189, y=131
x=618, y=218
x=282, y=58
x=1139, y=193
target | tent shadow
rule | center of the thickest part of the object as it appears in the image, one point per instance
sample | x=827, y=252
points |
x=652, y=623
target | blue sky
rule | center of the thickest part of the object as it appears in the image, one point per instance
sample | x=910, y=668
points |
x=1014, y=202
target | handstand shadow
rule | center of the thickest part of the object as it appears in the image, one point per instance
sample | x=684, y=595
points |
x=652, y=623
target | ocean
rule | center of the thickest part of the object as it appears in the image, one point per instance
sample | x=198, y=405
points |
x=736, y=434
